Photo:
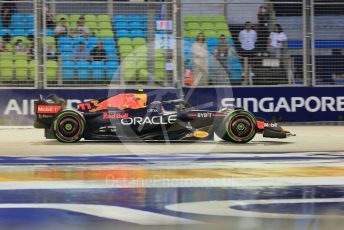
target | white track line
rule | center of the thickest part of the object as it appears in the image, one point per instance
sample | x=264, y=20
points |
x=158, y=182
x=110, y=212
x=227, y=208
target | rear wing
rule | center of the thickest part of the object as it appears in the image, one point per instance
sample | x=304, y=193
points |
x=46, y=110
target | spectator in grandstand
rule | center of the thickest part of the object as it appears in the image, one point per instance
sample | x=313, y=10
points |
x=51, y=53
x=5, y=41
x=61, y=29
x=199, y=51
x=277, y=41
x=263, y=30
x=247, y=39
x=223, y=51
x=49, y=18
x=19, y=46
x=81, y=53
x=98, y=53
x=7, y=10
x=335, y=69
x=31, y=48
x=81, y=30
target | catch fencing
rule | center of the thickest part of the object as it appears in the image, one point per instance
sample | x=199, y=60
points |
x=97, y=44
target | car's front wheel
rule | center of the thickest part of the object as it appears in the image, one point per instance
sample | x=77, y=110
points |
x=68, y=126
x=238, y=127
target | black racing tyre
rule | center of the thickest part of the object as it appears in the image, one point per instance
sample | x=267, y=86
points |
x=68, y=126
x=238, y=127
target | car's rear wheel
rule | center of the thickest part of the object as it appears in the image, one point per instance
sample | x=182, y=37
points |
x=238, y=127
x=68, y=126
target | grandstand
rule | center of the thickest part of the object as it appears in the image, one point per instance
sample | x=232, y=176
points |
x=328, y=39
x=212, y=27
x=125, y=40
x=130, y=37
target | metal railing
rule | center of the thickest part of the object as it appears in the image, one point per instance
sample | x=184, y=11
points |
x=255, y=48
x=111, y=43
x=328, y=42
x=18, y=56
x=154, y=44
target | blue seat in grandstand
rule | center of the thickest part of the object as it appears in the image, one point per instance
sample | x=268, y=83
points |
x=137, y=34
x=110, y=48
x=161, y=32
x=32, y=32
x=65, y=40
x=119, y=18
x=109, y=45
x=135, y=25
x=144, y=25
x=97, y=68
x=4, y=31
x=329, y=44
x=133, y=18
x=18, y=32
x=76, y=41
x=212, y=41
x=230, y=41
x=28, y=25
x=338, y=82
x=295, y=44
x=122, y=33
x=68, y=70
x=112, y=70
x=66, y=48
x=82, y=68
x=18, y=21
x=49, y=32
x=188, y=57
x=142, y=18
x=29, y=18
x=187, y=43
x=92, y=42
x=235, y=70
x=211, y=48
x=17, y=25
x=111, y=56
x=18, y=17
x=108, y=41
x=66, y=57
x=120, y=25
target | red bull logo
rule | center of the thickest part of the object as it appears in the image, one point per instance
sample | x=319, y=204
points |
x=121, y=102
x=108, y=116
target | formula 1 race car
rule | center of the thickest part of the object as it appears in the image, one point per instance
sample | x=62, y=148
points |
x=128, y=117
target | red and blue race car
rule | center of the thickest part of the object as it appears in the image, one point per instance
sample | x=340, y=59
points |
x=130, y=117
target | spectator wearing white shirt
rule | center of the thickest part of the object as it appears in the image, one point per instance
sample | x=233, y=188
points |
x=247, y=39
x=61, y=29
x=81, y=30
x=277, y=41
x=199, y=51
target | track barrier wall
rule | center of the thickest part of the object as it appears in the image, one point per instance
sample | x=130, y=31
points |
x=286, y=104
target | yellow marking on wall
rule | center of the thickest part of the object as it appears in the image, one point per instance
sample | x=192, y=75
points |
x=58, y=175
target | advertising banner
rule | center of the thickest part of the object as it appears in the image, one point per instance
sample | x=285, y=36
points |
x=287, y=104
x=297, y=104
x=17, y=105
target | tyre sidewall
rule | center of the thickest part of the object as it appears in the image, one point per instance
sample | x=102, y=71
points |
x=75, y=115
x=224, y=133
